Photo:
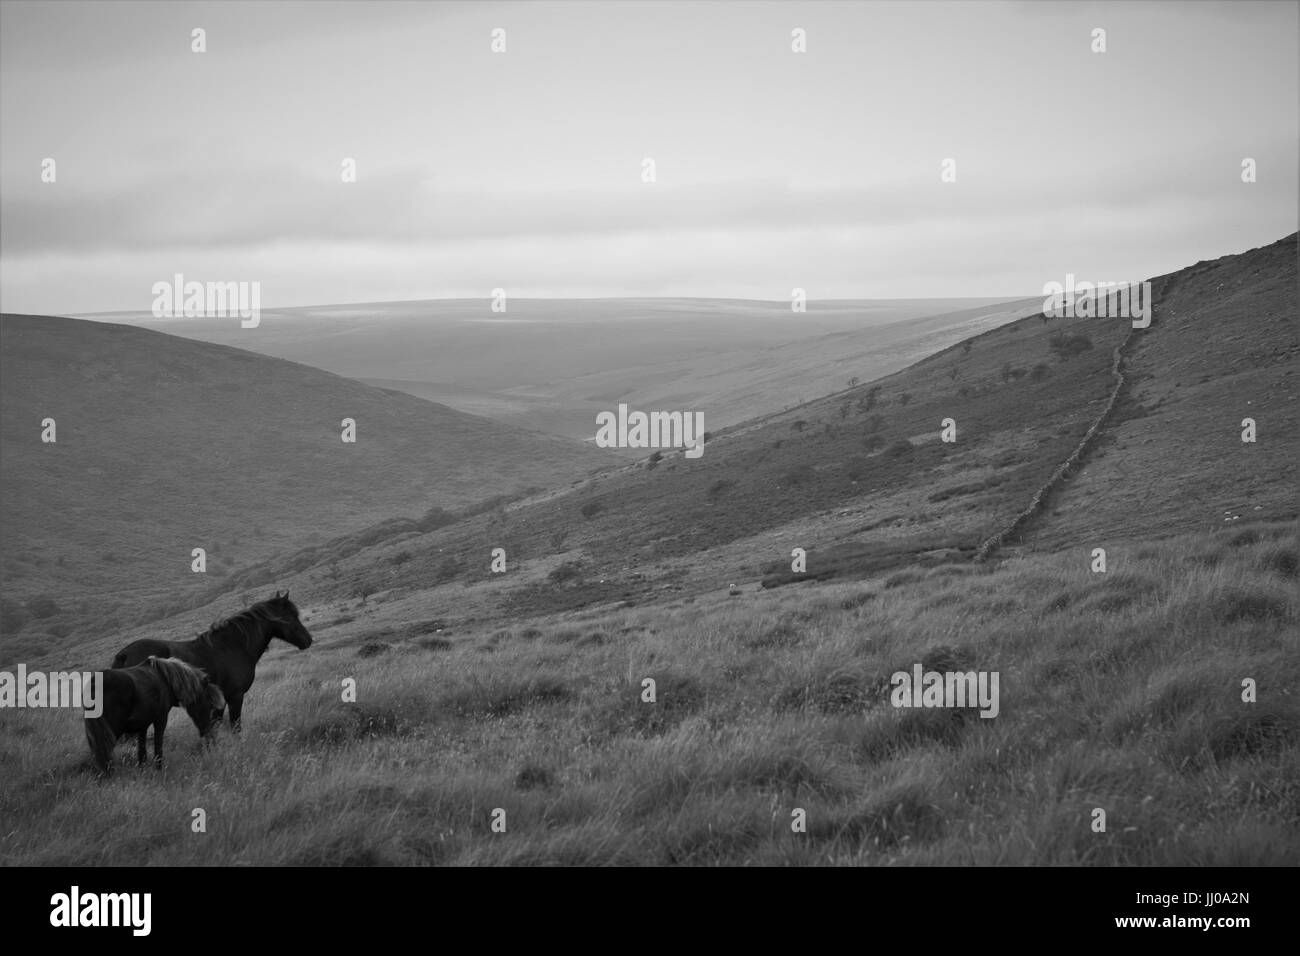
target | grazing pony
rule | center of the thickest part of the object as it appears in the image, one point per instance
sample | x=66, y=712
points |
x=137, y=698
x=229, y=650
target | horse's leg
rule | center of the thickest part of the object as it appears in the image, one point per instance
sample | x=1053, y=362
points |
x=142, y=747
x=236, y=702
x=101, y=745
x=159, y=726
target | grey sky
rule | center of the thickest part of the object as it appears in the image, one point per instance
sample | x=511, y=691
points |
x=523, y=170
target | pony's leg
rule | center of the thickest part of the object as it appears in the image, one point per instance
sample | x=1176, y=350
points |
x=101, y=746
x=158, y=729
x=236, y=702
x=142, y=747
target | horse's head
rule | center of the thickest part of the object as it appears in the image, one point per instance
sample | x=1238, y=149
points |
x=288, y=625
x=201, y=698
x=208, y=710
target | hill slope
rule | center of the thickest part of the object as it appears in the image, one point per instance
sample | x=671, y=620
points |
x=1225, y=346
x=863, y=482
x=861, y=479
x=166, y=444
x=524, y=690
x=551, y=364
x=1117, y=691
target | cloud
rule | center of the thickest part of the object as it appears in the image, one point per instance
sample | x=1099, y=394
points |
x=235, y=208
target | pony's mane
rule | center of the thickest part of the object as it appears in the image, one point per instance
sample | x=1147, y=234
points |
x=261, y=611
x=243, y=621
x=185, y=681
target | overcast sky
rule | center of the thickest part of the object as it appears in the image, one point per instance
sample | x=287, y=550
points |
x=523, y=170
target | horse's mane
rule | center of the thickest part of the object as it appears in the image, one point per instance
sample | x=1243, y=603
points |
x=185, y=681
x=244, y=622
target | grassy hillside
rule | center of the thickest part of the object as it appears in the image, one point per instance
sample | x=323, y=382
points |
x=1225, y=346
x=165, y=445
x=861, y=479
x=1119, y=691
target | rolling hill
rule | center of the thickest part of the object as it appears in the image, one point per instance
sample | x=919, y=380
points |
x=551, y=364
x=524, y=691
x=863, y=483
x=165, y=444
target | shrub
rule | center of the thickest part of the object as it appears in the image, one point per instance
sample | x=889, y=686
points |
x=1228, y=604
x=1067, y=345
x=1280, y=560
x=446, y=570
x=593, y=508
x=12, y=615
x=900, y=578
x=435, y=518
x=42, y=606
x=534, y=776
x=798, y=475
x=569, y=571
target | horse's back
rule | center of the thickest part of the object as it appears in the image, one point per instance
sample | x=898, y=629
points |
x=138, y=695
x=136, y=652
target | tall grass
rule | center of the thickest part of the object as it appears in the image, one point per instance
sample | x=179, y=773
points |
x=1120, y=691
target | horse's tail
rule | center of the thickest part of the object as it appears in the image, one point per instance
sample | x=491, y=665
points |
x=186, y=682
x=102, y=740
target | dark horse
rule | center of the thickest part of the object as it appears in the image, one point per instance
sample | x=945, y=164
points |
x=137, y=698
x=229, y=650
